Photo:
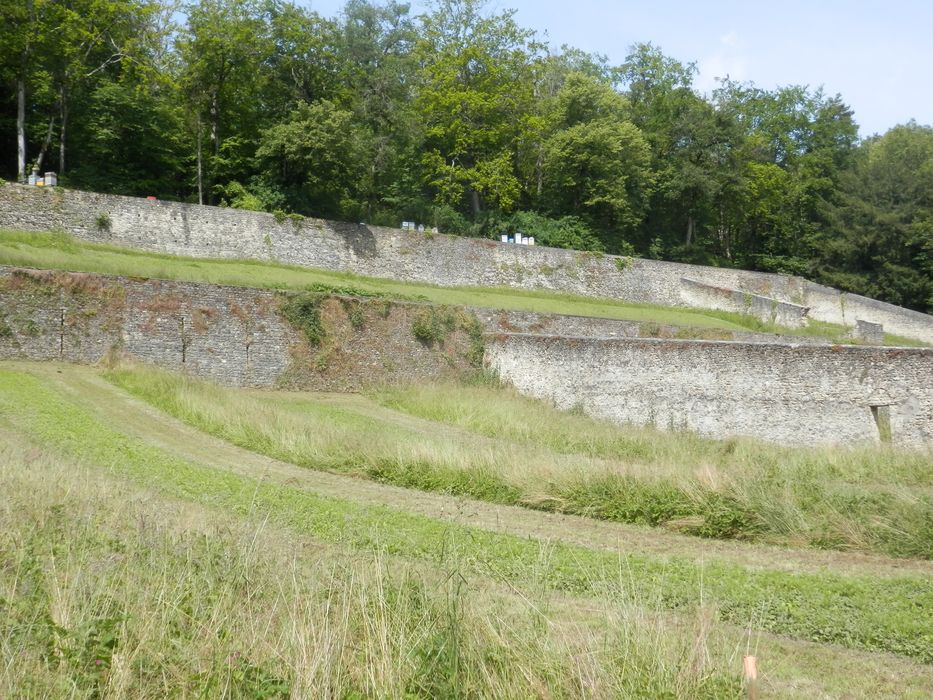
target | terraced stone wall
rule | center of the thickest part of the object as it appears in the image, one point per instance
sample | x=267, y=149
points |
x=782, y=393
x=202, y=231
x=235, y=336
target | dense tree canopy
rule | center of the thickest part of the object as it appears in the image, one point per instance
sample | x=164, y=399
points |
x=463, y=119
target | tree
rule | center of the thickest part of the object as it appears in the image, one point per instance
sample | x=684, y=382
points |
x=223, y=50
x=597, y=164
x=379, y=71
x=24, y=26
x=691, y=144
x=473, y=97
x=794, y=147
x=313, y=158
x=303, y=59
x=883, y=239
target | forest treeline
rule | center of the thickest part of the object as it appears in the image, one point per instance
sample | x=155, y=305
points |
x=462, y=119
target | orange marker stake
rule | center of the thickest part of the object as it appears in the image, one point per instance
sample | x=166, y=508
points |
x=750, y=667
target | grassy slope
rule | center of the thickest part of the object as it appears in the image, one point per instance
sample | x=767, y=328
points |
x=141, y=595
x=854, y=611
x=872, y=500
x=58, y=251
x=137, y=594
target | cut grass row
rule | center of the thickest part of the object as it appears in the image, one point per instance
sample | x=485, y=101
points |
x=871, y=500
x=61, y=252
x=857, y=612
x=126, y=593
x=112, y=590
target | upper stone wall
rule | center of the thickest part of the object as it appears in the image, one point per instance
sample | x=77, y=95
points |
x=201, y=231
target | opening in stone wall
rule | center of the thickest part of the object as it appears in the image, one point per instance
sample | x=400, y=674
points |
x=882, y=416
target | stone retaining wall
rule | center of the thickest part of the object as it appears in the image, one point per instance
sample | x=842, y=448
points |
x=201, y=231
x=780, y=393
x=231, y=335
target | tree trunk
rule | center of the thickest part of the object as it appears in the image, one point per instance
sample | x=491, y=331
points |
x=725, y=233
x=200, y=167
x=21, y=100
x=539, y=171
x=691, y=228
x=475, y=203
x=21, y=126
x=215, y=140
x=63, y=106
x=45, y=144
x=215, y=124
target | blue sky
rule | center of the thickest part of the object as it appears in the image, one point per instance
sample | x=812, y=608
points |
x=878, y=55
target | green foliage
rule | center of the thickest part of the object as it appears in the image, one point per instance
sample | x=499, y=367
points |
x=303, y=311
x=103, y=222
x=236, y=196
x=433, y=324
x=314, y=156
x=595, y=161
x=354, y=314
x=564, y=232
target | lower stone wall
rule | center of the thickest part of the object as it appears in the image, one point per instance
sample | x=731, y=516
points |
x=234, y=336
x=510, y=321
x=780, y=393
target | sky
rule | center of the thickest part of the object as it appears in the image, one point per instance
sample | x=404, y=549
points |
x=877, y=55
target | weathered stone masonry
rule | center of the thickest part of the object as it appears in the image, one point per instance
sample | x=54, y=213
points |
x=231, y=335
x=782, y=393
x=763, y=387
x=202, y=231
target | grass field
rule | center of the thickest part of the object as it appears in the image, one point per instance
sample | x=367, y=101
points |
x=61, y=252
x=142, y=557
x=487, y=442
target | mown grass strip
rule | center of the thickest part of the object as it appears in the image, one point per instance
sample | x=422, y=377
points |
x=62, y=252
x=888, y=615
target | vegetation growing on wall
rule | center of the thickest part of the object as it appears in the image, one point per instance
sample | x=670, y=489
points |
x=303, y=311
x=433, y=325
x=103, y=222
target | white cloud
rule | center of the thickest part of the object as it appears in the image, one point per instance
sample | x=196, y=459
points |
x=730, y=39
x=729, y=59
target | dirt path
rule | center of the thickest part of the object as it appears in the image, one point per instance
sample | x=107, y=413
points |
x=135, y=417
